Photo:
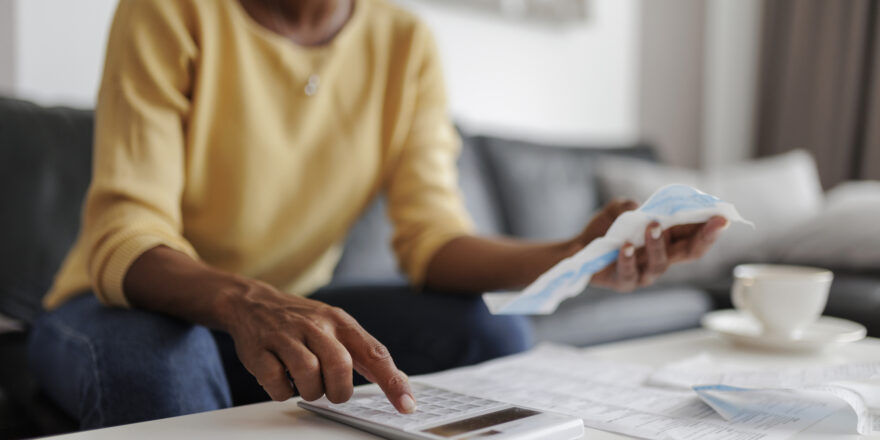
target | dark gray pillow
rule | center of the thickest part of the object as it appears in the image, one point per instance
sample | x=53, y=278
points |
x=368, y=258
x=480, y=195
x=45, y=168
x=548, y=192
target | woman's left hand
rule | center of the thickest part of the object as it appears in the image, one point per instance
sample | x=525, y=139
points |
x=641, y=267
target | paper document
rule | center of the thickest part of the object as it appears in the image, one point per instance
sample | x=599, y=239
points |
x=815, y=389
x=614, y=396
x=814, y=402
x=670, y=206
x=703, y=370
x=863, y=396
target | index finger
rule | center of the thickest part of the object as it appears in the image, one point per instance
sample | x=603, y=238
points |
x=707, y=235
x=687, y=231
x=699, y=242
x=374, y=362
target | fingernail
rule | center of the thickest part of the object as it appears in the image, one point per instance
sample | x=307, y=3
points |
x=726, y=224
x=629, y=251
x=656, y=232
x=407, y=403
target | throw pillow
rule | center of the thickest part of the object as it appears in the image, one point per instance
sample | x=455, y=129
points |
x=845, y=235
x=547, y=192
x=776, y=193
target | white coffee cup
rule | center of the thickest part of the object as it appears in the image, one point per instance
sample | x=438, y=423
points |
x=784, y=299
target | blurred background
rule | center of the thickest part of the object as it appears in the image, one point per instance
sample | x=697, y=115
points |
x=773, y=105
x=684, y=75
x=563, y=104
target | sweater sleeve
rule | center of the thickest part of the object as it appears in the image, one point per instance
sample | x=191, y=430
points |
x=425, y=204
x=134, y=201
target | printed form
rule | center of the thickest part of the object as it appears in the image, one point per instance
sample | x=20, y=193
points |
x=734, y=390
x=616, y=397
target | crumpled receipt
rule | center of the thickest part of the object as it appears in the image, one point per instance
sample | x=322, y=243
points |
x=671, y=205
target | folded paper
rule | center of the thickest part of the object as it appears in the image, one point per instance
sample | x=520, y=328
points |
x=670, y=206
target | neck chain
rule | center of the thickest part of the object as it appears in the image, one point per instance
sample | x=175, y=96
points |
x=337, y=21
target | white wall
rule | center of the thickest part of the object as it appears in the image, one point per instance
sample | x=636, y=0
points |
x=679, y=73
x=7, y=45
x=572, y=83
x=59, y=49
x=731, y=71
x=503, y=76
x=671, y=79
x=698, y=79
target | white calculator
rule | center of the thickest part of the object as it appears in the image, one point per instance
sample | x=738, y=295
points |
x=446, y=415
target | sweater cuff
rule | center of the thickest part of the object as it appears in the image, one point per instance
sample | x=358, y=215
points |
x=109, y=287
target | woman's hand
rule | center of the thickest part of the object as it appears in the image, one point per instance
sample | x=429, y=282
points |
x=316, y=344
x=278, y=337
x=641, y=267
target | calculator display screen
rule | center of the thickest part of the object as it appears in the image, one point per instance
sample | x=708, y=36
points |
x=479, y=422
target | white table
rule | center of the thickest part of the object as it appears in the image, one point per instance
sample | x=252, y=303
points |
x=272, y=420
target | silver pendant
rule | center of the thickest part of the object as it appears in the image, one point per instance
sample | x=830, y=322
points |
x=312, y=85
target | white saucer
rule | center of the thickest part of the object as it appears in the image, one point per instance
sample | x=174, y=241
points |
x=742, y=329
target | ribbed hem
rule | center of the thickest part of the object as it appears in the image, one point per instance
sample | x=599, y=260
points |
x=109, y=287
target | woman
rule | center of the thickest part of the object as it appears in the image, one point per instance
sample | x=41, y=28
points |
x=236, y=142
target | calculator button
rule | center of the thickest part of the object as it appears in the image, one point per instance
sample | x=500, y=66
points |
x=435, y=405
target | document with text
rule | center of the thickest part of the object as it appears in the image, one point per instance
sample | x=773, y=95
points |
x=731, y=389
x=618, y=397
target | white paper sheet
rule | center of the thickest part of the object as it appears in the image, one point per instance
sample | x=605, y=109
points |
x=611, y=396
x=670, y=206
x=703, y=370
x=809, y=389
x=863, y=396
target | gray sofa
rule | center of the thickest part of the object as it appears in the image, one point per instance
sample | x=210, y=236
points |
x=511, y=188
x=535, y=192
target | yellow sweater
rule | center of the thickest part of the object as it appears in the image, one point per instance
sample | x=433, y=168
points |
x=206, y=142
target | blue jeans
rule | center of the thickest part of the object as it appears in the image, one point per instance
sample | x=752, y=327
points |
x=110, y=366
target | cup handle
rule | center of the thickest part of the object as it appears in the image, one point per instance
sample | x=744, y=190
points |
x=738, y=296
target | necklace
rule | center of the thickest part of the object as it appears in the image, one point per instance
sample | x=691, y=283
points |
x=336, y=22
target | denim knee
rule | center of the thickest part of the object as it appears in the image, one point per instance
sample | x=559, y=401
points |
x=497, y=335
x=113, y=366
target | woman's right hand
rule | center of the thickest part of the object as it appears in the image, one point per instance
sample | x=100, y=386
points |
x=316, y=344
x=275, y=334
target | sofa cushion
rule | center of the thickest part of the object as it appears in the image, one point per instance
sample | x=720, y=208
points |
x=46, y=166
x=845, y=235
x=548, y=192
x=777, y=193
x=856, y=297
x=598, y=316
x=480, y=195
x=368, y=259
